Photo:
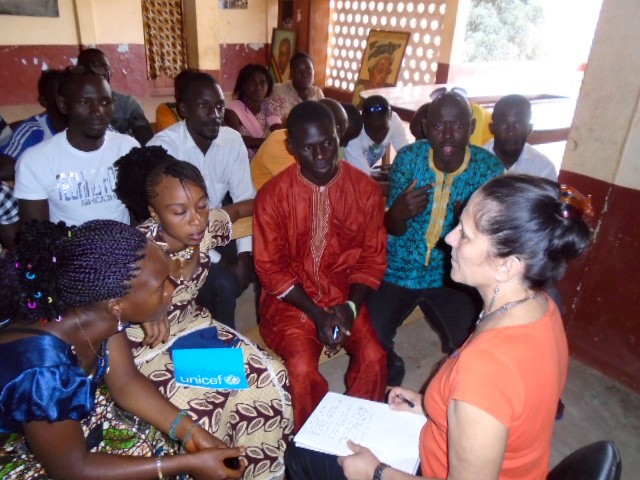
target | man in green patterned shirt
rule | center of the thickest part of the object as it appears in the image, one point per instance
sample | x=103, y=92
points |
x=430, y=181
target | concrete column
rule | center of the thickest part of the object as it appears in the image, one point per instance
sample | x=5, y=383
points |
x=453, y=32
x=601, y=289
x=202, y=28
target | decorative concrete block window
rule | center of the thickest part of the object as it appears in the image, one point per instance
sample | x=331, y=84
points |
x=349, y=29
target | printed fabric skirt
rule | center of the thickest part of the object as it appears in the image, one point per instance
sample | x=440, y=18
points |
x=107, y=430
x=259, y=418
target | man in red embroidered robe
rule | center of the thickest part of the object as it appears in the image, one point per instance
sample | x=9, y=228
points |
x=320, y=247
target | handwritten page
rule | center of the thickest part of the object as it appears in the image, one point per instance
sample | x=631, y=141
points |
x=392, y=436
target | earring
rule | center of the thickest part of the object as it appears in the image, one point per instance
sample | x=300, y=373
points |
x=120, y=327
x=155, y=227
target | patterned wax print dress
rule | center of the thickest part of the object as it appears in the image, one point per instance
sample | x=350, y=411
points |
x=259, y=418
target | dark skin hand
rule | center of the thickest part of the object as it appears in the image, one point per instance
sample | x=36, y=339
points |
x=33, y=210
x=326, y=319
x=7, y=168
x=243, y=268
x=68, y=457
x=155, y=333
x=239, y=210
x=8, y=235
x=410, y=203
x=158, y=332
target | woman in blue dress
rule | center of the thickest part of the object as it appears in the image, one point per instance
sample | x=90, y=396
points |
x=67, y=294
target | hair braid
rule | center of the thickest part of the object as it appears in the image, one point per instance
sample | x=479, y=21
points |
x=147, y=166
x=58, y=266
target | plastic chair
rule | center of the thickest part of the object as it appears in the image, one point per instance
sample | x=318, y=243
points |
x=597, y=461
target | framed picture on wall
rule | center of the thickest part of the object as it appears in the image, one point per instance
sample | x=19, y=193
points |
x=381, y=61
x=244, y=4
x=283, y=46
x=32, y=8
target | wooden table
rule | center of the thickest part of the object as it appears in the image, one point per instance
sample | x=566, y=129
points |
x=551, y=114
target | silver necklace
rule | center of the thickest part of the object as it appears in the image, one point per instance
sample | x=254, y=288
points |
x=506, y=307
x=182, y=255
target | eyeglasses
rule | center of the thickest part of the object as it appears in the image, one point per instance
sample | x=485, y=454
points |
x=83, y=69
x=375, y=109
x=438, y=92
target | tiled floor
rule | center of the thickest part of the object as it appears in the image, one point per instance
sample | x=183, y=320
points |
x=596, y=407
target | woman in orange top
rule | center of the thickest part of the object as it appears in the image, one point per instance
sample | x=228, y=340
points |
x=492, y=405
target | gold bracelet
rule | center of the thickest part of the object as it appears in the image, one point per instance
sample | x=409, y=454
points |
x=159, y=467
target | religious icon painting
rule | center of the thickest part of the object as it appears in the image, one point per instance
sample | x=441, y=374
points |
x=381, y=61
x=283, y=46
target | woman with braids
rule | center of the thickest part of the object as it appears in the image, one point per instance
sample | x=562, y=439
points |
x=66, y=296
x=492, y=405
x=170, y=197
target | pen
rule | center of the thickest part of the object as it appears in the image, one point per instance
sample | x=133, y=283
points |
x=336, y=332
x=405, y=400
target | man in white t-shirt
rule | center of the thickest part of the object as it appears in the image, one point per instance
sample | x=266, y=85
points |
x=222, y=158
x=71, y=177
x=382, y=128
x=511, y=126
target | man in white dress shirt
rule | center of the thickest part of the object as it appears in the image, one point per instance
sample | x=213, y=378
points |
x=222, y=158
x=511, y=126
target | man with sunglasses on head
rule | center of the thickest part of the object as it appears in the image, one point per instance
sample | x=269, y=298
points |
x=382, y=128
x=128, y=116
x=70, y=177
x=429, y=183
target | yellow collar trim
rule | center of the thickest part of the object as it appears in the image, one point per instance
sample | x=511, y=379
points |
x=440, y=204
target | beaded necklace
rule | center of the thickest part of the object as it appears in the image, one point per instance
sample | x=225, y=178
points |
x=182, y=256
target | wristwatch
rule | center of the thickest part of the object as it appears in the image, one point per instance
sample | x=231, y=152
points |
x=377, y=474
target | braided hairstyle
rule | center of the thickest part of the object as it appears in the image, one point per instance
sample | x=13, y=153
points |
x=55, y=267
x=148, y=166
x=526, y=216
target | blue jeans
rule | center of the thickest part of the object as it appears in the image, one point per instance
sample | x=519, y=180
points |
x=219, y=291
x=451, y=311
x=304, y=464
